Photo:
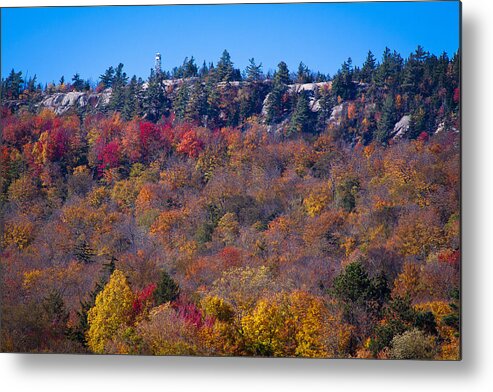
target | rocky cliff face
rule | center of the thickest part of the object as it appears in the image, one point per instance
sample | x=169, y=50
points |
x=62, y=102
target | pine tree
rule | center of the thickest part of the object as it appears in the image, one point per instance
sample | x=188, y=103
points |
x=106, y=79
x=167, y=290
x=281, y=77
x=77, y=83
x=180, y=102
x=156, y=102
x=387, y=121
x=275, y=106
x=369, y=67
x=254, y=71
x=304, y=74
x=131, y=107
x=13, y=85
x=418, y=123
x=204, y=70
x=301, y=120
x=118, y=85
x=414, y=70
x=343, y=85
x=225, y=70
x=197, y=103
x=389, y=71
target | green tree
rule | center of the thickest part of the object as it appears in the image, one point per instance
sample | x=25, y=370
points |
x=414, y=71
x=369, y=67
x=167, y=290
x=180, y=102
x=106, y=79
x=12, y=85
x=281, y=77
x=77, y=83
x=343, y=85
x=117, y=100
x=196, y=106
x=302, y=118
x=387, y=121
x=254, y=71
x=304, y=75
x=225, y=70
x=131, y=107
x=156, y=102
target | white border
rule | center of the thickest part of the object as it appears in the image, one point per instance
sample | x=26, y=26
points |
x=93, y=373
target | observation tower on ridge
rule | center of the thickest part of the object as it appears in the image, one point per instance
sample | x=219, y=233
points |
x=157, y=63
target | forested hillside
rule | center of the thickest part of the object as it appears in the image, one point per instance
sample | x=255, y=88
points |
x=214, y=211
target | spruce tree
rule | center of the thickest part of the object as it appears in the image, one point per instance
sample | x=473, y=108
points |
x=225, y=70
x=131, y=107
x=196, y=106
x=77, y=82
x=281, y=77
x=343, y=85
x=387, y=120
x=369, y=67
x=156, y=102
x=304, y=74
x=180, y=102
x=167, y=290
x=13, y=84
x=301, y=120
x=106, y=79
x=254, y=71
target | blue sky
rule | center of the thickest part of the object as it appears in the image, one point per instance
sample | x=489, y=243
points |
x=56, y=41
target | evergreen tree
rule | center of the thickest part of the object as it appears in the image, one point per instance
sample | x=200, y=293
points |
x=254, y=71
x=197, y=103
x=118, y=84
x=156, y=102
x=131, y=107
x=31, y=84
x=180, y=102
x=387, y=121
x=77, y=83
x=326, y=102
x=106, y=79
x=369, y=67
x=418, y=122
x=281, y=77
x=302, y=118
x=388, y=74
x=167, y=290
x=304, y=75
x=225, y=70
x=275, y=105
x=343, y=85
x=204, y=70
x=213, y=100
x=190, y=69
x=13, y=85
x=414, y=70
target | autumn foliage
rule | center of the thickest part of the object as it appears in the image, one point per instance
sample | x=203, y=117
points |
x=230, y=239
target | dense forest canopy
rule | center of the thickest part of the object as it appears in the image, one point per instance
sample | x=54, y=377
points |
x=214, y=211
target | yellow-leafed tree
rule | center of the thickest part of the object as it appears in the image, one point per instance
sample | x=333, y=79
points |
x=112, y=310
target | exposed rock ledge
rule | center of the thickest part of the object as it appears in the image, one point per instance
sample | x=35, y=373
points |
x=62, y=102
